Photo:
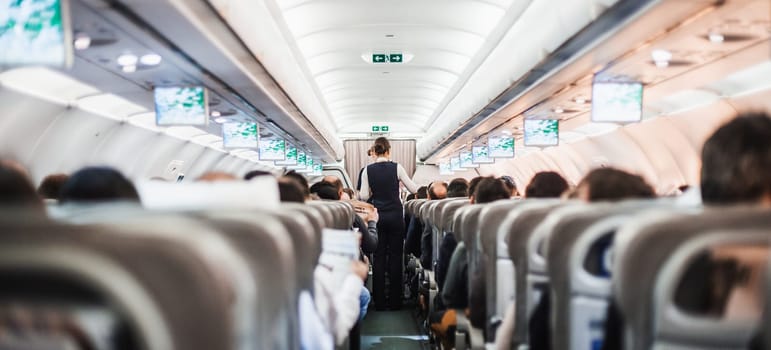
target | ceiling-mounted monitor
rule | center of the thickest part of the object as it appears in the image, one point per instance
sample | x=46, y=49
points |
x=617, y=102
x=240, y=135
x=35, y=32
x=318, y=169
x=181, y=106
x=272, y=149
x=309, y=163
x=444, y=169
x=455, y=164
x=542, y=133
x=301, y=160
x=500, y=145
x=467, y=160
x=481, y=155
x=291, y=156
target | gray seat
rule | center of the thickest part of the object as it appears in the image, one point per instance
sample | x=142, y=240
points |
x=579, y=278
x=651, y=256
x=171, y=296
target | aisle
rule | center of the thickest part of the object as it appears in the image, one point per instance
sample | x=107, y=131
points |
x=392, y=330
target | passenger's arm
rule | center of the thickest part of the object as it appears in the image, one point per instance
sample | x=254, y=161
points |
x=453, y=283
x=368, y=235
x=364, y=192
x=405, y=179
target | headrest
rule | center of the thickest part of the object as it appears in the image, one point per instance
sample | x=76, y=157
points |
x=259, y=193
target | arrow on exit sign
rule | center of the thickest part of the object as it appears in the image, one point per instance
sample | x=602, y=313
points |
x=384, y=128
x=375, y=128
x=395, y=58
x=379, y=58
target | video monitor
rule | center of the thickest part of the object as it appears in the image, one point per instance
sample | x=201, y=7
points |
x=318, y=169
x=617, y=102
x=301, y=160
x=240, y=135
x=35, y=32
x=181, y=106
x=291, y=156
x=455, y=164
x=272, y=149
x=467, y=160
x=500, y=145
x=444, y=169
x=309, y=162
x=542, y=132
x=480, y=155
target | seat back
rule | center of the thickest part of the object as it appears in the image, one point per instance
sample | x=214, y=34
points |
x=161, y=288
x=649, y=261
x=518, y=240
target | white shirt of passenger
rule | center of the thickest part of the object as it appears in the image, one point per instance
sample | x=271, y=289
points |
x=338, y=305
x=365, y=192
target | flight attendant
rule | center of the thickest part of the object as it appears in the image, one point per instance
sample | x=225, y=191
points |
x=380, y=185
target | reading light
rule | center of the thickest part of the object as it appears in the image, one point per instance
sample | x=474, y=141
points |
x=150, y=59
x=129, y=69
x=580, y=100
x=82, y=42
x=716, y=38
x=558, y=110
x=220, y=120
x=215, y=113
x=662, y=64
x=127, y=59
x=661, y=58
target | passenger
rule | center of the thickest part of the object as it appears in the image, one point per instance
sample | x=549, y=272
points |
x=472, y=187
x=16, y=190
x=98, y=184
x=51, y=186
x=216, y=176
x=256, y=173
x=422, y=192
x=454, y=295
x=457, y=188
x=546, y=184
x=609, y=184
x=290, y=191
x=415, y=227
x=510, y=184
x=436, y=190
x=301, y=182
x=380, y=183
x=349, y=193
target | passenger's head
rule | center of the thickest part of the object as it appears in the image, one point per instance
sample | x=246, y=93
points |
x=422, y=192
x=491, y=189
x=334, y=180
x=437, y=190
x=510, y=185
x=301, y=182
x=16, y=189
x=348, y=192
x=256, y=173
x=216, y=176
x=472, y=186
x=736, y=162
x=51, y=186
x=609, y=184
x=290, y=191
x=546, y=184
x=457, y=188
x=325, y=190
x=98, y=184
x=381, y=147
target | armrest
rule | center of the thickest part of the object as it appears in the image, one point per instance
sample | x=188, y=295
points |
x=462, y=329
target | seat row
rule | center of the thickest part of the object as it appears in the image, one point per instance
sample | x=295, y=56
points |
x=648, y=258
x=124, y=277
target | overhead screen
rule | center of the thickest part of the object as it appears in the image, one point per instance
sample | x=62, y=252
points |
x=35, y=32
x=291, y=156
x=481, y=155
x=272, y=149
x=455, y=164
x=617, y=102
x=467, y=160
x=444, y=169
x=542, y=132
x=181, y=106
x=240, y=135
x=500, y=145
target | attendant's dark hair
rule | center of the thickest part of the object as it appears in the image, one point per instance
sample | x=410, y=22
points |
x=98, y=184
x=290, y=191
x=422, y=192
x=736, y=161
x=16, y=189
x=51, y=186
x=457, y=188
x=491, y=189
x=546, y=184
x=609, y=184
x=325, y=190
x=381, y=146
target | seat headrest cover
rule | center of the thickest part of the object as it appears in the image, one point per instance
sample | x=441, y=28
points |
x=260, y=193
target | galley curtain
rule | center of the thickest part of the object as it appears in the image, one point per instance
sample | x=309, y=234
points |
x=402, y=152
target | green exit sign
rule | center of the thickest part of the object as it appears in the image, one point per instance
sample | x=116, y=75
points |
x=380, y=128
x=375, y=128
x=384, y=128
x=387, y=58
